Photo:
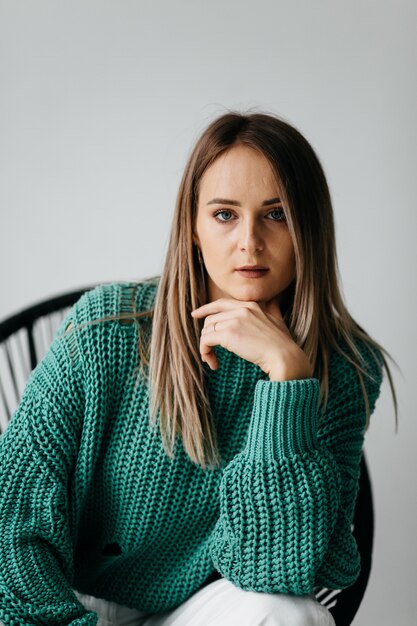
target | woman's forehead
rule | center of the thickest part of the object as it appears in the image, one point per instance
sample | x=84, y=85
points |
x=241, y=169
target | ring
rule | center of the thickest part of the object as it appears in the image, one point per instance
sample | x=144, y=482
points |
x=214, y=326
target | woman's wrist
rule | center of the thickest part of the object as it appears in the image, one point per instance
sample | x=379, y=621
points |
x=294, y=368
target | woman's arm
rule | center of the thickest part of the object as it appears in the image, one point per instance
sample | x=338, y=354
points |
x=36, y=454
x=287, y=500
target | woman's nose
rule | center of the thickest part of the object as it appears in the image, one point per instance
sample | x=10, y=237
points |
x=250, y=237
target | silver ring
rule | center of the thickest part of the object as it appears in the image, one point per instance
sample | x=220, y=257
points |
x=214, y=326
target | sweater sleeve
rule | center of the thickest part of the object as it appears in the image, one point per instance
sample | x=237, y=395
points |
x=37, y=452
x=287, y=500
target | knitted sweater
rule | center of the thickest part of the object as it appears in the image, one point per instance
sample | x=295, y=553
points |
x=90, y=501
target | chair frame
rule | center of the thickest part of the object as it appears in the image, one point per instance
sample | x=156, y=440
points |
x=28, y=316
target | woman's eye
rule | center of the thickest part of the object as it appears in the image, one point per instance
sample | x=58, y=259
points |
x=281, y=215
x=219, y=213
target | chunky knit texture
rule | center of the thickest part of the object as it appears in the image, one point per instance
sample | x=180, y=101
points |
x=90, y=501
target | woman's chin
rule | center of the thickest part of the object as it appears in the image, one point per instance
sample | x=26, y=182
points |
x=247, y=294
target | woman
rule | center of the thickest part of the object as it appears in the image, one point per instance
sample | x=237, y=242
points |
x=235, y=500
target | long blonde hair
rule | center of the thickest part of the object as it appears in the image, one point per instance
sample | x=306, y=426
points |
x=315, y=312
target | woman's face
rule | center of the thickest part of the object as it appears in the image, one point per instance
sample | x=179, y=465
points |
x=235, y=187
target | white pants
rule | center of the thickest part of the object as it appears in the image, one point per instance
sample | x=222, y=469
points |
x=219, y=603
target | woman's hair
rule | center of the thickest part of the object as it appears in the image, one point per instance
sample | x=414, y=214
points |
x=314, y=310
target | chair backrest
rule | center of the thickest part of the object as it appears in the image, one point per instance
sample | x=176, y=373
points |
x=25, y=338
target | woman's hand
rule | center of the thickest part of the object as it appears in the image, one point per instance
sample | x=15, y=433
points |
x=255, y=333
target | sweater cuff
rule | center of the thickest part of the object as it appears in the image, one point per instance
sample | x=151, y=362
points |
x=284, y=418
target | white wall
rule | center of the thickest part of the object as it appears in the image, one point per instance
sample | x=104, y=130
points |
x=100, y=103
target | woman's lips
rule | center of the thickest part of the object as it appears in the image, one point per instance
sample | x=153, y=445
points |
x=252, y=273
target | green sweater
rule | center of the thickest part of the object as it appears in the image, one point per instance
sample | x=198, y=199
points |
x=90, y=501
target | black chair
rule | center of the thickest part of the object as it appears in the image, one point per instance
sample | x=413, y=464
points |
x=25, y=338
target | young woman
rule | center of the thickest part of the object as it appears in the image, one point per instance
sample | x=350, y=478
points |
x=188, y=451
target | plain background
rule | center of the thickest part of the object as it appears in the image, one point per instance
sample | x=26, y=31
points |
x=100, y=105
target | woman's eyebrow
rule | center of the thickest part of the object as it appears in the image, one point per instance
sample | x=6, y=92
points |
x=236, y=203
